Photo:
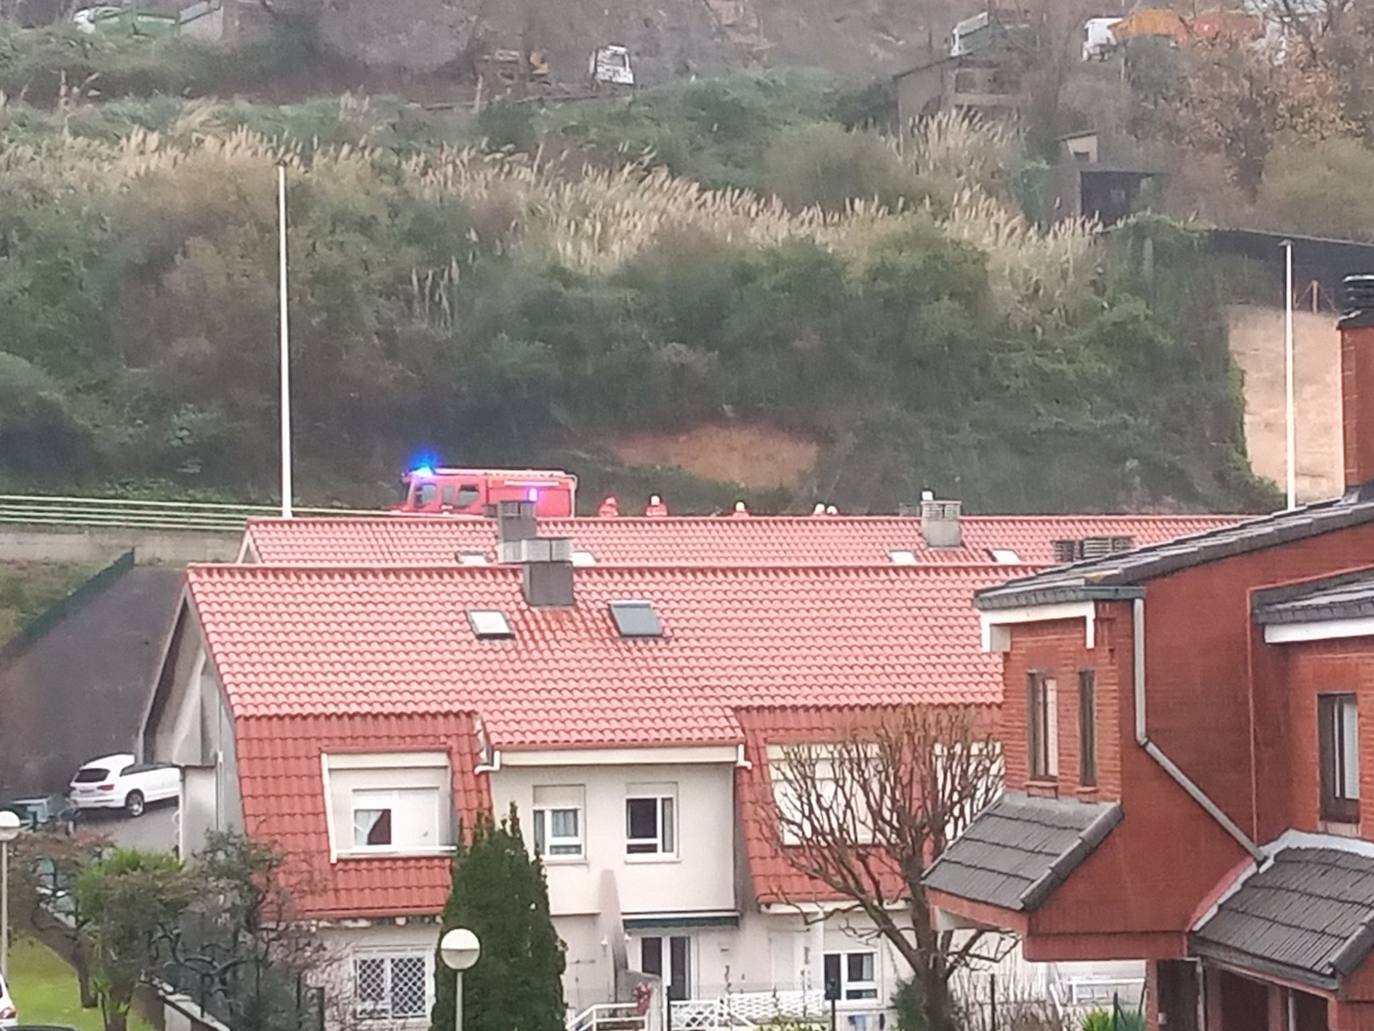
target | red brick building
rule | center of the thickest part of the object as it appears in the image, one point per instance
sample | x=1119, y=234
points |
x=1187, y=771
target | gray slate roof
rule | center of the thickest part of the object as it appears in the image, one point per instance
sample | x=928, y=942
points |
x=1348, y=596
x=1119, y=575
x=1019, y=849
x=1309, y=916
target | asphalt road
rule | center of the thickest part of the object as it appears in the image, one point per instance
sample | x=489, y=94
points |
x=155, y=829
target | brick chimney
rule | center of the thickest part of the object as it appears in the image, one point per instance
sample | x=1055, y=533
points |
x=515, y=522
x=941, y=525
x=1357, y=380
x=548, y=580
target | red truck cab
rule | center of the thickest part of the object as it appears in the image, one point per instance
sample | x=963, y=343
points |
x=478, y=491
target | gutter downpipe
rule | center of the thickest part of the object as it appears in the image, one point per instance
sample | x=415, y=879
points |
x=1142, y=737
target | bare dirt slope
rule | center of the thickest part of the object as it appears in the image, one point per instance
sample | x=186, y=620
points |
x=1256, y=336
x=753, y=455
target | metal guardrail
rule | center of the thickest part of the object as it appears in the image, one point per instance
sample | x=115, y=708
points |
x=208, y=516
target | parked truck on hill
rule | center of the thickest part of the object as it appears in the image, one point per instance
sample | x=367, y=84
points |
x=441, y=491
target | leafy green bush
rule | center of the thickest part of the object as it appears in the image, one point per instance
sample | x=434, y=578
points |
x=826, y=166
x=1122, y=1020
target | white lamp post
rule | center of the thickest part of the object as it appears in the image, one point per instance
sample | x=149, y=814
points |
x=9, y=830
x=459, y=949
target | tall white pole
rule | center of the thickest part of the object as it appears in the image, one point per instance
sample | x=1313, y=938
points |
x=5, y=911
x=458, y=1002
x=1290, y=413
x=285, y=348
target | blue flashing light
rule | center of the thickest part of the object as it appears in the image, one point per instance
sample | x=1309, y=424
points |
x=423, y=471
x=533, y=494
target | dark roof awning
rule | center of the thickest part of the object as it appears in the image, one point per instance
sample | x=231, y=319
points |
x=1019, y=849
x=1308, y=916
x=1113, y=575
x=1347, y=596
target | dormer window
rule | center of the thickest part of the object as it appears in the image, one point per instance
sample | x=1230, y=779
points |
x=490, y=624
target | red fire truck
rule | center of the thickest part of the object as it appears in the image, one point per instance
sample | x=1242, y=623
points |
x=478, y=491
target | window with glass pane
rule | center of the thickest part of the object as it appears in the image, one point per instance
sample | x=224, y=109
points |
x=391, y=987
x=1087, y=729
x=650, y=822
x=371, y=827
x=851, y=976
x=1338, y=721
x=1043, y=727
x=558, y=832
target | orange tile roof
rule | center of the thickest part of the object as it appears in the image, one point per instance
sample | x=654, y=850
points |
x=703, y=540
x=320, y=659
x=280, y=775
x=318, y=641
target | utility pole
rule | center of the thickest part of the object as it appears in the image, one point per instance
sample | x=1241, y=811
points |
x=1289, y=406
x=285, y=358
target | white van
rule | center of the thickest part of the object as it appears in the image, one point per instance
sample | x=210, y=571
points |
x=121, y=782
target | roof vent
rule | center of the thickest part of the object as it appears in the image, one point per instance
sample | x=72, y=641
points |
x=610, y=509
x=490, y=624
x=940, y=522
x=636, y=619
x=515, y=521
x=1078, y=549
x=1359, y=295
x=656, y=509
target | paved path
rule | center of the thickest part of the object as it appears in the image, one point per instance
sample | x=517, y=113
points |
x=155, y=829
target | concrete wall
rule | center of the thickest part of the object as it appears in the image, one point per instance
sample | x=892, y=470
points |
x=102, y=544
x=701, y=877
x=1256, y=336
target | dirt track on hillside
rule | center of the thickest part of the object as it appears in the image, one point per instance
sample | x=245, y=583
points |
x=1256, y=340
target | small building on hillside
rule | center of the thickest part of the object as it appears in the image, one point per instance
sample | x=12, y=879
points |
x=988, y=82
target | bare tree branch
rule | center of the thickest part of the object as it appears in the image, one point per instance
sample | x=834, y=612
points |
x=866, y=813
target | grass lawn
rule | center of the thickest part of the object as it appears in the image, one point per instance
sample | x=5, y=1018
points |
x=44, y=990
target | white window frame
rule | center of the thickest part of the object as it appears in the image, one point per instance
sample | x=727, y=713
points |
x=658, y=793
x=827, y=788
x=369, y=1014
x=846, y=985
x=543, y=827
x=395, y=847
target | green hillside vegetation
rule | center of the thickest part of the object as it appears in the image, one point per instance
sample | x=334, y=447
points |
x=717, y=250
x=28, y=588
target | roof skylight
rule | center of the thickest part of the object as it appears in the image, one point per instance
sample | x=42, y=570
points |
x=902, y=557
x=490, y=624
x=636, y=619
x=472, y=558
x=583, y=558
x=1005, y=556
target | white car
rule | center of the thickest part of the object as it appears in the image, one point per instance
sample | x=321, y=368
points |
x=121, y=782
x=84, y=20
x=9, y=1016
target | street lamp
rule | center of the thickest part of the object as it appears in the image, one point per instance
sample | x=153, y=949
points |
x=459, y=949
x=9, y=830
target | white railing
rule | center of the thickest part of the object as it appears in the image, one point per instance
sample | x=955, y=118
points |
x=741, y=1011
x=609, y=1016
x=707, y=1015
x=50, y=510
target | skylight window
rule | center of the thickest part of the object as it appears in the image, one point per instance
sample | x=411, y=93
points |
x=636, y=619
x=583, y=558
x=901, y=557
x=471, y=558
x=1005, y=556
x=490, y=624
